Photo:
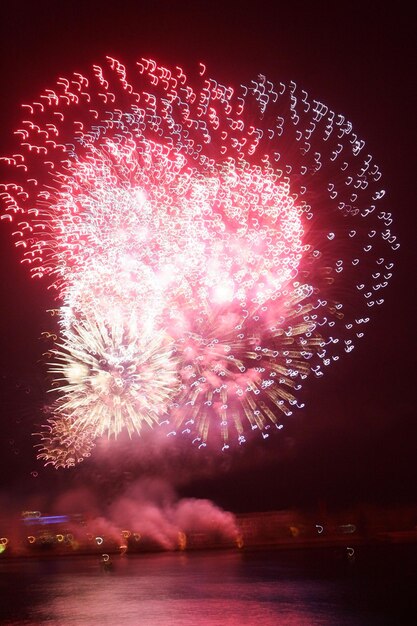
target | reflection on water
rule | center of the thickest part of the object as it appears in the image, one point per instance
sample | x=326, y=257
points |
x=228, y=588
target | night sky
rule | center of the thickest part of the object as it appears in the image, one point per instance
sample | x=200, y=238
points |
x=355, y=440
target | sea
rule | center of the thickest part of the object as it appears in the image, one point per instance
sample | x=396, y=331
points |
x=363, y=586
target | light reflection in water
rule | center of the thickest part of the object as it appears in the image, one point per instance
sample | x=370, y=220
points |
x=181, y=589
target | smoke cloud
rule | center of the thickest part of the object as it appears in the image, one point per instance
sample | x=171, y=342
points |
x=149, y=510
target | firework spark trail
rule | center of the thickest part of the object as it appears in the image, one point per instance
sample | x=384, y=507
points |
x=241, y=223
x=63, y=444
x=113, y=377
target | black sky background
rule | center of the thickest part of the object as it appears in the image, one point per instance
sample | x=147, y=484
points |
x=356, y=440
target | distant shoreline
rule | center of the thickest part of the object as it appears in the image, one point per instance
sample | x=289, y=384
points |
x=350, y=546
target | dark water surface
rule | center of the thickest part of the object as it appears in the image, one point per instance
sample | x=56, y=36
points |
x=376, y=586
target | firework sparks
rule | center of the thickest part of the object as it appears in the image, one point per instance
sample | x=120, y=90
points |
x=113, y=376
x=228, y=373
x=241, y=227
x=63, y=444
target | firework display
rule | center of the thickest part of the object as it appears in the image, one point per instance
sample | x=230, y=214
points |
x=210, y=245
x=113, y=378
x=63, y=444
